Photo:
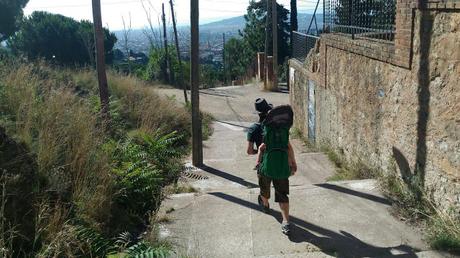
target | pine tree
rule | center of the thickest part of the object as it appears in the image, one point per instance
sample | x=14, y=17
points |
x=254, y=32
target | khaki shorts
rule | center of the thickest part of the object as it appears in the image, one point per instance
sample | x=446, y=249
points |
x=281, y=188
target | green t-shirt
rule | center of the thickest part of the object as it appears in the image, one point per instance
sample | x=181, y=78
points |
x=275, y=162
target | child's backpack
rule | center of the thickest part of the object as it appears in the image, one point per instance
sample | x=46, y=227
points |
x=276, y=138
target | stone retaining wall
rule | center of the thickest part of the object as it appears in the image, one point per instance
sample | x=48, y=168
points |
x=387, y=109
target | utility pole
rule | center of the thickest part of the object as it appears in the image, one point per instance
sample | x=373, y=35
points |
x=267, y=40
x=165, y=39
x=275, y=43
x=181, y=75
x=100, y=63
x=126, y=32
x=223, y=57
x=197, y=137
x=294, y=22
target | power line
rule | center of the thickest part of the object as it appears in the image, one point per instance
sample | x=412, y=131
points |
x=82, y=5
x=126, y=2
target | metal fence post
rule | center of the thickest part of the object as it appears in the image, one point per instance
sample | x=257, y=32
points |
x=350, y=18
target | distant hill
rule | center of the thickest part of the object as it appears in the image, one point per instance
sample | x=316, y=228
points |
x=237, y=23
x=305, y=18
x=209, y=32
x=228, y=25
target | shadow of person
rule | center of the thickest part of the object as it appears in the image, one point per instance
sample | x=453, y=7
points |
x=227, y=176
x=339, y=244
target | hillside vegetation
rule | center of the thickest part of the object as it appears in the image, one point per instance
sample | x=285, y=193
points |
x=71, y=189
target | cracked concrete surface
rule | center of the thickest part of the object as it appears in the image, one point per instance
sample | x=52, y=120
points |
x=330, y=219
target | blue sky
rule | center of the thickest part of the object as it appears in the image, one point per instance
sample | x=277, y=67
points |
x=113, y=10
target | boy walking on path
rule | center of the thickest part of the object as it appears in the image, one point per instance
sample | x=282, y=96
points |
x=255, y=131
x=277, y=160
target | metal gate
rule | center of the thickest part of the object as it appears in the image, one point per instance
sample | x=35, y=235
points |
x=311, y=111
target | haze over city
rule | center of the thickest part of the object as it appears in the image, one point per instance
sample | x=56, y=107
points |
x=113, y=10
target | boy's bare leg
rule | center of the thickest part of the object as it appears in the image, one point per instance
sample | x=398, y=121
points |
x=264, y=200
x=284, y=206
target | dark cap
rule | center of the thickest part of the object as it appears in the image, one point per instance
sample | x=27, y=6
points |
x=262, y=105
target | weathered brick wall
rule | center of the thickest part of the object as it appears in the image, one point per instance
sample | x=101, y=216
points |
x=392, y=105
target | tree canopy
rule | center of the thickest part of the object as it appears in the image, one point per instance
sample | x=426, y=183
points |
x=59, y=38
x=238, y=56
x=10, y=16
x=254, y=31
x=239, y=53
x=155, y=69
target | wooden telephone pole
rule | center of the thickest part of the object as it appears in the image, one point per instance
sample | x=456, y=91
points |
x=223, y=57
x=275, y=44
x=267, y=40
x=100, y=62
x=165, y=39
x=197, y=137
x=181, y=75
x=294, y=22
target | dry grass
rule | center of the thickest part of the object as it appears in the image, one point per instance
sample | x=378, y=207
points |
x=178, y=188
x=53, y=111
x=442, y=227
x=145, y=109
x=346, y=170
x=62, y=131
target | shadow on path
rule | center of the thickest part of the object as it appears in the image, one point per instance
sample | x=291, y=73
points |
x=342, y=244
x=228, y=176
x=217, y=94
x=232, y=124
x=367, y=196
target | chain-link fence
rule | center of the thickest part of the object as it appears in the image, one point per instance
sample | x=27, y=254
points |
x=361, y=18
x=302, y=44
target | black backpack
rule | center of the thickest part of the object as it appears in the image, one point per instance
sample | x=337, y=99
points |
x=280, y=116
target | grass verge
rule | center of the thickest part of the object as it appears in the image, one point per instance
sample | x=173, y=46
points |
x=91, y=186
x=346, y=170
x=442, y=227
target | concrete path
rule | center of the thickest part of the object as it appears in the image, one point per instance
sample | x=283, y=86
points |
x=346, y=219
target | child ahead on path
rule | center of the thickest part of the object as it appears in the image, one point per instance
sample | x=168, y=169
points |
x=277, y=161
x=255, y=131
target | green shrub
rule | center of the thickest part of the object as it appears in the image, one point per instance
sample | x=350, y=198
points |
x=442, y=227
x=142, y=165
x=106, y=182
x=444, y=232
x=144, y=249
x=346, y=170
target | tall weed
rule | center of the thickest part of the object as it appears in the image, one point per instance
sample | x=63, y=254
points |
x=146, y=110
x=143, y=164
x=413, y=205
x=84, y=180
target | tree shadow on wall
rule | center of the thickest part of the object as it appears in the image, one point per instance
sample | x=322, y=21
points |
x=417, y=178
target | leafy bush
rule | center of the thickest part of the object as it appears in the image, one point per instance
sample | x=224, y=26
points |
x=142, y=165
x=144, y=249
x=444, y=232
x=98, y=245
x=35, y=39
x=87, y=176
